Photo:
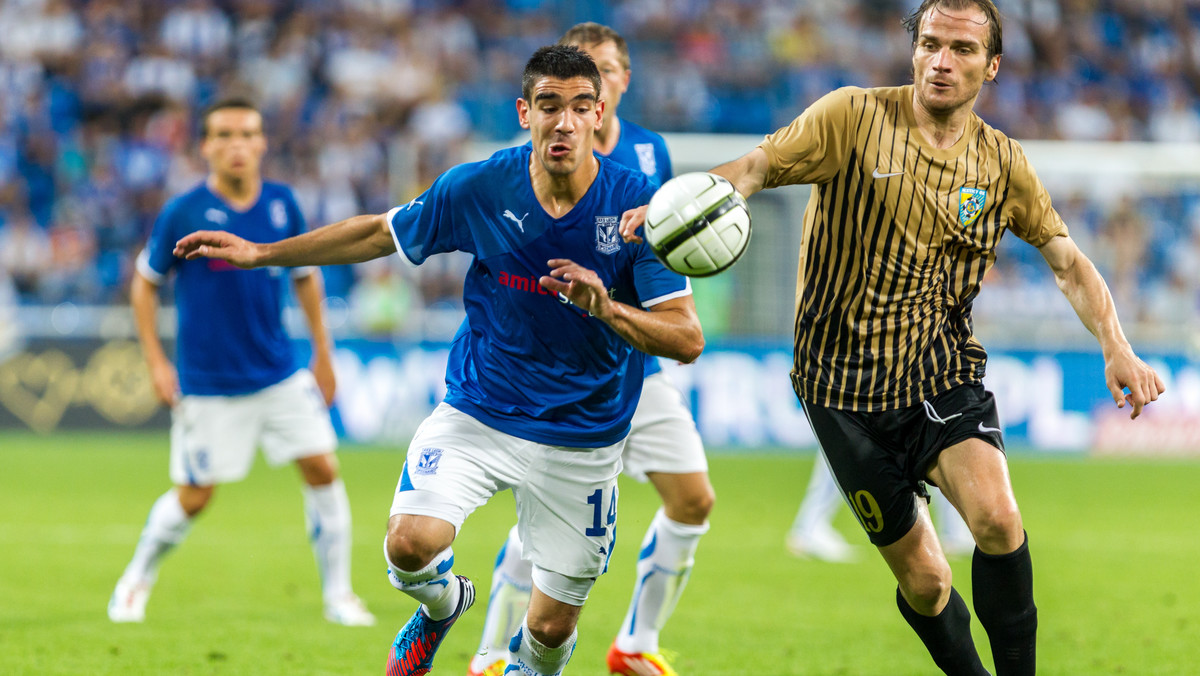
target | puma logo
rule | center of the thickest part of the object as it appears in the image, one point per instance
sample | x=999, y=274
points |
x=519, y=221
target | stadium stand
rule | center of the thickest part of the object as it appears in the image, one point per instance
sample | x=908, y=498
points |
x=367, y=100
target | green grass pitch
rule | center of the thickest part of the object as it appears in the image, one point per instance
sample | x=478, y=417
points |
x=1114, y=543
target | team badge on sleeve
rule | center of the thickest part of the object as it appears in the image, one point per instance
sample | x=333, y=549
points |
x=646, y=160
x=608, y=238
x=970, y=204
x=279, y=217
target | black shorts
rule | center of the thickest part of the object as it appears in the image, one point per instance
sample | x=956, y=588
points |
x=880, y=459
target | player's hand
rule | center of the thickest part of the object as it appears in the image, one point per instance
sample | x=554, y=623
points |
x=1127, y=371
x=580, y=285
x=322, y=368
x=630, y=222
x=165, y=382
x=218, y=244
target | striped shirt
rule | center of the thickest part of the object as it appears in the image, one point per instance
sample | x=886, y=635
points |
x=896, y=239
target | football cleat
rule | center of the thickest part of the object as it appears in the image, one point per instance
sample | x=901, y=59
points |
x=638, y=664
x=349, y=611
x=824, y=544
x=413, y=650
x=494, y=669
x=128, y=600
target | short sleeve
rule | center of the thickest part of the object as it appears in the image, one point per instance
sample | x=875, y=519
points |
x=654, y=282
x=1033, y=217
x=158, y=258
x=814, y=147
x=430, y=223
x=665, y=170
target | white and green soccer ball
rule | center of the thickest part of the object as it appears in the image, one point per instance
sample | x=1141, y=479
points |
x=697, y=224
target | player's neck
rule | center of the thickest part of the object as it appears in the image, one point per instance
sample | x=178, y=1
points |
x=942, y=130
x=559, y=194
x=240, y=193
x=608, y=135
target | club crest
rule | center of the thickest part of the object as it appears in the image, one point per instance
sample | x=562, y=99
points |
x=608, y=237
x=646, y=160
x=279, y=217
x=428, y=462
x=970, y=204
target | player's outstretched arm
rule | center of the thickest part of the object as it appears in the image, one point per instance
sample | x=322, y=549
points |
x=1083, y=286
x=748, y=174
x=671, y=329
x=353, y=240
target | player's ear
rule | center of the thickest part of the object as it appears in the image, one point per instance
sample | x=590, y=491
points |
x=600, y=105
x=523, y=113
x=993, y=68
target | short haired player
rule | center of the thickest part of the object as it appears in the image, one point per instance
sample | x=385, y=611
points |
x=663, y=446
x=545, y=371
x=237, y=386
x=912, y=192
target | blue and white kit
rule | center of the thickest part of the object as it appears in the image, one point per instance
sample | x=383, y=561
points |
x=238, y=374
x=526, y=364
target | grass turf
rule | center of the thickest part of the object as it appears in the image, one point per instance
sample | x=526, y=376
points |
x=1113, y=543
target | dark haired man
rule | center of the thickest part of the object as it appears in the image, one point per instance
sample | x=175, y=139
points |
x=663, y=446
x=545, y=372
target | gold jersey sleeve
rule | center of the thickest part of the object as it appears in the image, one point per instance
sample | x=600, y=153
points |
x=895, y=242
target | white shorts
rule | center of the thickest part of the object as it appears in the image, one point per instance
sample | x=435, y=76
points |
x=663, y=437
x=213, y=438
x=566, y=497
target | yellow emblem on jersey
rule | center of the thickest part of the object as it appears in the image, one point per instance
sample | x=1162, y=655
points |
x=970, y=204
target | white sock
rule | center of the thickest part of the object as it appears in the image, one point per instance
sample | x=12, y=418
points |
x=327, y=518
x=434, y=586
x=512, y=583
x=166, y=526
x=531, y=657
x=663, y=568
x=821, y=499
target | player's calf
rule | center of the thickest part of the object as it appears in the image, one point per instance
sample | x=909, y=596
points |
x=1003, y=595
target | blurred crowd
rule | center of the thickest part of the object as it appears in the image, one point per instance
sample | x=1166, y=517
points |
x=366, y=101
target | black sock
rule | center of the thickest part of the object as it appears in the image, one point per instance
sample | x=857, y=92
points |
x=947, y=635
x=1003, y=594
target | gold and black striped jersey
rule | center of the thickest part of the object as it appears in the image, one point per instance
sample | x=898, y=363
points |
x=896, y=239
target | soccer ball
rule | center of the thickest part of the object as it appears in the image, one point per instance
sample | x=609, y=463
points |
x=698, y=224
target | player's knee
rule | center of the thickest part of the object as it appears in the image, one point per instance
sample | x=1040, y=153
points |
x=694, y=506
x=318, y=470
x=407, y=548
x=998, y=530
x=193, y=499
x=927, y=590
x=550, y=631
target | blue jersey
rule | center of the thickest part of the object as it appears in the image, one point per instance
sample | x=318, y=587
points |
x=231, y=338
x=645, y=151
x=525, y=361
